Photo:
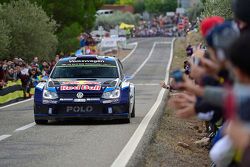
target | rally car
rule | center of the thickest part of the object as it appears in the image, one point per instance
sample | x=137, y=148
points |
x=85, y=87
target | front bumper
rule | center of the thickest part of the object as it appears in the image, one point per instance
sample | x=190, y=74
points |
x=81, y=111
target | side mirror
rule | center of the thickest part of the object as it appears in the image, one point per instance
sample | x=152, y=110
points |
x=127, y=78
x=44, y=79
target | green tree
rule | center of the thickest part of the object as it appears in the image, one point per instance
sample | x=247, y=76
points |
x=160, y=6
x=108, y=22
x=125, y=2
x=32, y=31
x=109, y=1
x=217, y=8
x=195, y=11
x=67, y=12
x=5, y=39
x=139, y=6
x=68, y=41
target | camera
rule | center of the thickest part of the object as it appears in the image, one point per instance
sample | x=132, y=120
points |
x=196, y=61
x=177, y=75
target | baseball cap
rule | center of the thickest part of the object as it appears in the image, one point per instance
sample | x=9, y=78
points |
x=209, y=23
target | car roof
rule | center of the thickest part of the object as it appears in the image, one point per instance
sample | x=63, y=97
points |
x=89, y=57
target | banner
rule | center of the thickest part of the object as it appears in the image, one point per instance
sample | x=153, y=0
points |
x=109, y=43
x=12, y=91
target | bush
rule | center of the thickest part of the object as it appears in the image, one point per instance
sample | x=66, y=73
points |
x=31, y=30
x=68, y=41
x=218, y=8
x=108, y=22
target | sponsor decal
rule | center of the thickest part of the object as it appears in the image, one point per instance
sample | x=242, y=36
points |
x=125, y=85
x=86, y=61
x=80, y=100
x=41, y=85
x=79, y=109
x=81, y=83
x=81, y=87
x=110, y=101
x=93, y=99
x=66, y=99
x=50, y=102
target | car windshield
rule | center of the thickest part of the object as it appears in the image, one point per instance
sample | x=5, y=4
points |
x=85, y=71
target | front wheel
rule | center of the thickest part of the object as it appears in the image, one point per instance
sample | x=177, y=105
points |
x=41, y=122
x=126, y=121
x=133, y=111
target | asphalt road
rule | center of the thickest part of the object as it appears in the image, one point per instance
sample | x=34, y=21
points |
x=91, y=144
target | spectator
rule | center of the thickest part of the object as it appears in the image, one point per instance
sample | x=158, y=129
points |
x=189, y=50
x=35, y=61
x=241, y=14
x=233, y=103
x=83, y=40
x=52, y=64
x=57, y=58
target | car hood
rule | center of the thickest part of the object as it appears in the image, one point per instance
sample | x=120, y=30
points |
x=84, y=84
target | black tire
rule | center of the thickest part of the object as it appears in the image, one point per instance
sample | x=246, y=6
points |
x=133, y=111
x=126, y=121
x=41, y=122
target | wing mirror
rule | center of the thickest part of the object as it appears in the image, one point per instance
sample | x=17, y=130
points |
x=127, y=78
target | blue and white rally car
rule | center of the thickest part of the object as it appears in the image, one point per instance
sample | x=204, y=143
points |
x=85, y=87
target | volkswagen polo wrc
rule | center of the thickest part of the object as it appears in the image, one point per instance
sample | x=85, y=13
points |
x=85, y=87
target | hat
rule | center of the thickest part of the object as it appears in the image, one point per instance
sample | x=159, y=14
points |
x=208, y=24
x=241, y=10
x=222, y=36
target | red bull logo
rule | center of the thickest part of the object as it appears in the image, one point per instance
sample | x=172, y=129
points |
x=81, y=83
x=81, y=87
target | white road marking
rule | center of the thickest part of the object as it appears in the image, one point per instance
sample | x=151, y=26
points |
x=128, y=150
x=4, y=137
x=134, y=43
x=16, y=103
x=145, y=61
x=163, y=42
x=26, y=127
x=125, y=58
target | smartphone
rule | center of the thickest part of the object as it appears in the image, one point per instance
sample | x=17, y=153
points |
x=196, y=60
x=177, y=75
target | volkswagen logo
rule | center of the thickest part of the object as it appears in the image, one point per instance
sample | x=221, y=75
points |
x=79, y=95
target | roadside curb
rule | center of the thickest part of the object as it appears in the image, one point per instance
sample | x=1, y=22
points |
x=138, y=158
x=138, y=155
x=13, y=104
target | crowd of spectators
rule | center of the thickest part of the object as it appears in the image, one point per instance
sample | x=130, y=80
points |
x=29, y=73
x=215, y=86
x=168, y=26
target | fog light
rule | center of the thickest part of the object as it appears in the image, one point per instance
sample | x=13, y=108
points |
x=50, y=111
x=110, y=111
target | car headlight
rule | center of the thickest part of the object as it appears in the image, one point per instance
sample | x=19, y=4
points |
x=112, y=94
x=49, y=95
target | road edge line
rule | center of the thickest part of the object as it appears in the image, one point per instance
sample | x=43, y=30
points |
x=3, y=137
x=25, y=127
x=127, y=152
x=13, y=104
